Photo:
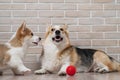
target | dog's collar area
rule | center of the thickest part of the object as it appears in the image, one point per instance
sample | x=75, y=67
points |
x=57, y=38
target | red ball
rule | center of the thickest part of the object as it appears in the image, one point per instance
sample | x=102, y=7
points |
x=71, y=70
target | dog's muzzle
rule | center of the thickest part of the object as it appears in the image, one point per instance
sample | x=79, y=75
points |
x=57, y=38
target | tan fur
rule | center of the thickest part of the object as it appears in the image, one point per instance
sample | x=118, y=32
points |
x=73, y=57
x=22, y=32
x=4, y=56
x=69, y=50
x=48, y=31
x=101, y=57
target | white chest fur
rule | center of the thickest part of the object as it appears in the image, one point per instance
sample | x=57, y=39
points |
x=50, y=61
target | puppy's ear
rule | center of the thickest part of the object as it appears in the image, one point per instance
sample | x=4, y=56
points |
x=23, y=28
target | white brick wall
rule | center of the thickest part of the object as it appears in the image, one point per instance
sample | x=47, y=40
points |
x=92, y=23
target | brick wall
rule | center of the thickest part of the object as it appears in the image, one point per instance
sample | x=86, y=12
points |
x=92, y=23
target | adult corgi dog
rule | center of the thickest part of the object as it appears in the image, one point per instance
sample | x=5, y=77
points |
x=59, y=54
x=12, y=52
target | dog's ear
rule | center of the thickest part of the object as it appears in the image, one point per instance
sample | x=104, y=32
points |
x=23, y=28
x=65, y=26
x=48, y=30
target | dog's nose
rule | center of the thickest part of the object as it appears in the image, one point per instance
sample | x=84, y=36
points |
x=39, y=38
x=57, y=32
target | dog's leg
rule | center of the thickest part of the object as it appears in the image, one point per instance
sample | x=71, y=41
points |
x=16, y=72
x=62, y=71
x=41, y=71
x=18, y=64
x=21, y=68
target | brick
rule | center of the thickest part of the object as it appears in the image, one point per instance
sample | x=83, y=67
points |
x=32, y=65
x=51, y=13
x=73, y=35
x=64, y=21
x=5, y=13
x=30, y=58
x=119, y=28
x=118, y=1
x=17, y=6
x=77, y=1
x=5, y=6
x=34, y=28
x=2, y=41
x=51, y=1
x=25, y=13
x=90, y=35
x=42, y=28
x=35, y=50
x=112, y=7
x=118, y=13
x=99, y=13
x=5, y=20
x=5, y=1
x=112, y=20
x=38, y=21
x=99, y=48
x=17, y=21
x=113, y=50
x=104, y=43
x=112, y=35
x=42, y=6
x=25, y=1
x=77, y=13
x=103, y=1
x=62, y=6
x=81, y=42
x=91, y=21
x=104, y=28
x=90, y=7
x=4, y=28
x=6, y=35
x=79, y=28
x=40, y=34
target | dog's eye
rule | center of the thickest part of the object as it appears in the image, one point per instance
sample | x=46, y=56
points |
x=32, y=34
x=52, y=29
x=61, y=29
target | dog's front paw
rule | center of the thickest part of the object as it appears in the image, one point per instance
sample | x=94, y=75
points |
x=62, y=73
x=26, y=71
x=41, y=71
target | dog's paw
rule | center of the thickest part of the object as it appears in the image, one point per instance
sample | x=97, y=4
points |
x=26, y=71
x=103, y=70
x=41, y=71
x=62, y=73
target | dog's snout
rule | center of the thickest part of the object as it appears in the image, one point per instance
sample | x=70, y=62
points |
x=57, y=32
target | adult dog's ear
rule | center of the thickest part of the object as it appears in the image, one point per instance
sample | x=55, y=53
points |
x=48, y=30
x=65, y=26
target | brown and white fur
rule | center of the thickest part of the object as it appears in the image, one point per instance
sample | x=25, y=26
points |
x=13, y=52
x=59, y=54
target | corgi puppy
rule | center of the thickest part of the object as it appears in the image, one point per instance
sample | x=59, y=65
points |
x=59, y=54
x=13, y=52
